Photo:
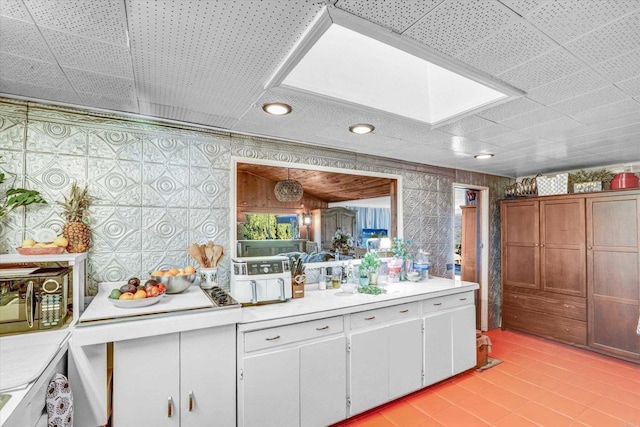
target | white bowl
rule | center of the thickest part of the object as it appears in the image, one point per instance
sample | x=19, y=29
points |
x=348, y=288
x=414, y=276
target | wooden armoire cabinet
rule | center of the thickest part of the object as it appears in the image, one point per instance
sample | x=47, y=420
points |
x=570, y=269
x=334, y=218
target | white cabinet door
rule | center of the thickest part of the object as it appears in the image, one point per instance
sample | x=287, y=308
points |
x=146, y=382
x=463, y=330
x=438, y=349
x=369, y=374
x=405, y=358
x=208, y=377
x=270, y=389
x=323, y=382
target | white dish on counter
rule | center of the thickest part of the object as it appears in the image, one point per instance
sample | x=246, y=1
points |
x=135, y=303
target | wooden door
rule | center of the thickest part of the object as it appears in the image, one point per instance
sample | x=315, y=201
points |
x=613, y=275
x=563, y=246
x=520, y=230
x=469, y=251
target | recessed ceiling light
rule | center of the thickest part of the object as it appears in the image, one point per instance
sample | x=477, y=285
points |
x=483, y=156
x=361, y=128
x=277, y=108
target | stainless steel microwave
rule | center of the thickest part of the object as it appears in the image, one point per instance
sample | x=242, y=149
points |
x=34, y=301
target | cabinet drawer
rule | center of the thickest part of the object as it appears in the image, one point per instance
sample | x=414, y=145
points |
x=568, y=330
x=273, y=337
x=562, y=307
x=394, y=313
x=447, y=301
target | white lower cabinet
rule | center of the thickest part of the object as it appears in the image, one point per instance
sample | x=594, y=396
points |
x=385, y=359
x=178, y=379
x=293, y=375
x=449, y=336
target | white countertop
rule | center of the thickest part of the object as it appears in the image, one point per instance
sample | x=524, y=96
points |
x=321, y=303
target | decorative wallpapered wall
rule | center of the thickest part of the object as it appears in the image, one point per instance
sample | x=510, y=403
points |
x=159, y=187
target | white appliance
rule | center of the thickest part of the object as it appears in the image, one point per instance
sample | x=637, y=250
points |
x=260, y=280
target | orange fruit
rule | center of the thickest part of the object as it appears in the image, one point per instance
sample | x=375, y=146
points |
x=173, y=272
x=126, y=295
x=157, y=273
x=189, y=269
x=140, y=294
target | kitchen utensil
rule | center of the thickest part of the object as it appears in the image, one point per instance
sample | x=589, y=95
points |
x=218, y=253
x=196, y=254
x=210, y=255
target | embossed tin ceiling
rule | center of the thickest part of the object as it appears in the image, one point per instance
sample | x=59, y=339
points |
x=208, y=62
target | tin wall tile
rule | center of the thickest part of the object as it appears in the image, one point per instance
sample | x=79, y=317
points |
x=161, y=149
x=162, y=260
x=53, y=174
x=207, y=186
x=165, y=185
x=115, y=182
x=55, y=137
x=116, y=229
x=12, y=132
x=164, y=229
x=43, y=216
x=209, y=224
x=12, y=228
x=115, y=266
x=114, y=144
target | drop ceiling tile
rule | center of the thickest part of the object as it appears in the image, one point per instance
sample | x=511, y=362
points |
x=489, y=132
x=100, y=84
x=614, y=39
x=599, y=97
x=128, y=105
x=89, y=54
x=570, y=86
x=626, y=107
x=602, y=136
x=33, y=72
x=509, y=109
x=14, y=9
x=524, y=7
x=517, y=43
x=395, y=15
x=568, y=19
x=456, y=25
x=46, y=93
x=103, y=20
x=555, y=130
x=531, y=118
x=510, y=139
x=465, y=126
x=185, y=115
x=631, y=87
x=23, y=39
x=543, y=69
x=621, y=67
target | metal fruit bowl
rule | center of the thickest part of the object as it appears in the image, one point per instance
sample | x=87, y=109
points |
x=176, y=284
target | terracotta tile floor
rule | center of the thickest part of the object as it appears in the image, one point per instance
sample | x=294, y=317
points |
x=539, y=383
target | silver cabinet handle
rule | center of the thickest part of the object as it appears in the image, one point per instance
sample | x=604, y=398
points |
x=370, y=318
x=463, y=299
x=169, y=407
x=324, y=328
x=190, y=400
x=28, y=304
x=277, y=337
x=437, y=303
x=254, y=291
x=406, y=310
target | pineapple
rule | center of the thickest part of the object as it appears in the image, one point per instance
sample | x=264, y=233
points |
x=74, y=211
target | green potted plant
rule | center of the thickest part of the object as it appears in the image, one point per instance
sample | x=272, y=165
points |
x=16, y=197
x=585, y=181
x=363, y=275
x=370, y=263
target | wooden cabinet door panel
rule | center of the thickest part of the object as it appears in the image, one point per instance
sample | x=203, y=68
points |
x=520, y=234
x=563, y=270
x=519, y=266
x=613, y=266
x=563, y=246
x=614, y=327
